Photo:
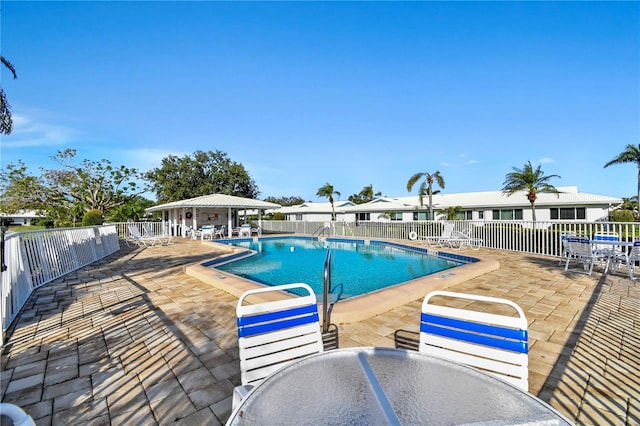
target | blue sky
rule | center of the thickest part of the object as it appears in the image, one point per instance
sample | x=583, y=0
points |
x=350, y=93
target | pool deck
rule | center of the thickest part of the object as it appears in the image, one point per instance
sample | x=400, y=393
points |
x=133, y=339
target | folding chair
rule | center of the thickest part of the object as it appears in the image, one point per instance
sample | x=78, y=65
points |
x=273, y=334
x=494, y=343
x=581, y=250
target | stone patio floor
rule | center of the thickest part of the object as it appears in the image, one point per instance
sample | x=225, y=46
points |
x=132, y=339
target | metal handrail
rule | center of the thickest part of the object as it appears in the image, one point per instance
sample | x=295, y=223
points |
x=325, y=292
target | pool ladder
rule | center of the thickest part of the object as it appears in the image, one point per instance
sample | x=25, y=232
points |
x=329, y=331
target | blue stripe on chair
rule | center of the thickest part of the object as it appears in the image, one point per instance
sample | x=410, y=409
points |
x=272, y=316
x=467, y=331
x=252, y=330
x=605, y=238
x=579, y=240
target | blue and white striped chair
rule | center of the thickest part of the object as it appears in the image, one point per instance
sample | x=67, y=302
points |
x=494, y=343
x=274, y=333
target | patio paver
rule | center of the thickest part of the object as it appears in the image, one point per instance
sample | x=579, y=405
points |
x=132, y=339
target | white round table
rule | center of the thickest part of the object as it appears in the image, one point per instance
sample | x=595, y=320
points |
x=364, y=386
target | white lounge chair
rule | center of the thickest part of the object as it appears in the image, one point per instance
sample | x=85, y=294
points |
x=439, y=240
x=494, y=343
x=273, y=334
x=163, y=239
x=136, y=238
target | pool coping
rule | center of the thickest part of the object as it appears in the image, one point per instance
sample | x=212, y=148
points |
x=353, y=309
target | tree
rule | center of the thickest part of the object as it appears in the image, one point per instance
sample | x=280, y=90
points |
x=631, y=154
x=6, y=122
x=327, y=191
x=426, y=187
x=203, y=173
x=529, y=180
x=365, y=195
x=96, y=185
x=450, y=212
x=20, y=190
x=134, y=210
x=285, y=201
x=65, y=194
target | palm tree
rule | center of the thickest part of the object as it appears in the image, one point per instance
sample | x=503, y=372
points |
x=530, y=180
x=631, y=154
x=6, y=123
x=426, y=187
x=327, y=191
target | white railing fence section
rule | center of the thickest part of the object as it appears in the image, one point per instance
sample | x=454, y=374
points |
x=543, y=238
x=35, y=258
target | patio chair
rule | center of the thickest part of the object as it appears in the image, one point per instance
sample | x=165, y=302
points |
x=207, y=231
x=632, y=258
x=245, y=230
x=221, y=232
x=163, y=239
x=16, y=415
x=273, y=334
x=605, y=249
x=136, y=238
x=565, y=247
x=494, y=343
x=581, y=250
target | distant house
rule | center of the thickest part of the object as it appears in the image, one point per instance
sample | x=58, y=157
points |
x=22, y=217
x=489, y=205
x=315, y=212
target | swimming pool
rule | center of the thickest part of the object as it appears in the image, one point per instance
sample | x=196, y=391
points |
x=357, y=266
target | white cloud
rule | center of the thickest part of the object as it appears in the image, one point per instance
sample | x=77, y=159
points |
x=546, y=160
x=34, y=131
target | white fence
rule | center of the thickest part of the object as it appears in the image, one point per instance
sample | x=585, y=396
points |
x=543, y=238
x=35, y=258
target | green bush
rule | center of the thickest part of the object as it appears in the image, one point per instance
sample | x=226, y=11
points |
x=622, y=216
x=47, y=223
x=92, y=218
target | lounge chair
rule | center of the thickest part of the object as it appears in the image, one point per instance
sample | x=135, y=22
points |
x=439, y=240
x=273, y=334
x=581, y=250
x=136, y=238
x=163, y=239
x=494, y=343
x=632, y=258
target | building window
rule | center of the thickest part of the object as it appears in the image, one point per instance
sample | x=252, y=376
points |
x=298, y=217
x=395, y=215
x=481, y=214
x=363, y=216
x=507, y=214
x=568, y=213
x=420, y=215
x=463, y=215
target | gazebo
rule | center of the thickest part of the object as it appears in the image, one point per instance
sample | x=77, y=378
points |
x=213, y=209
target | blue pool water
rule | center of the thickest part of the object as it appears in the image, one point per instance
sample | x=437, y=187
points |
x=356, y=268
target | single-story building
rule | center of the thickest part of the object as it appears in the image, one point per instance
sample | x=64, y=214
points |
x=569, y=204
x=316, y=212
x=20, y=218
x=214, y=209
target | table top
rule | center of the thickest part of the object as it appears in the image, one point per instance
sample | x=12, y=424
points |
x=388, y=386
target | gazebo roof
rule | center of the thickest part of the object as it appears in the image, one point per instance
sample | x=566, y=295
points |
x=216, y=201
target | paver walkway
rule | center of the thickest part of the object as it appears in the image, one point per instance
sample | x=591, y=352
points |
x=133, y=340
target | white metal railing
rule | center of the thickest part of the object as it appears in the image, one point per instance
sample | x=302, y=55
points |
x=542, y=237
x=35, y=258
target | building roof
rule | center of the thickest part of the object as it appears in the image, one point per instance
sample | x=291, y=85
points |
x=310, y=207
x=569, y=195
x=216, y=201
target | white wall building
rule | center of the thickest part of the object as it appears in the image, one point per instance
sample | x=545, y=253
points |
x=489, y=205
